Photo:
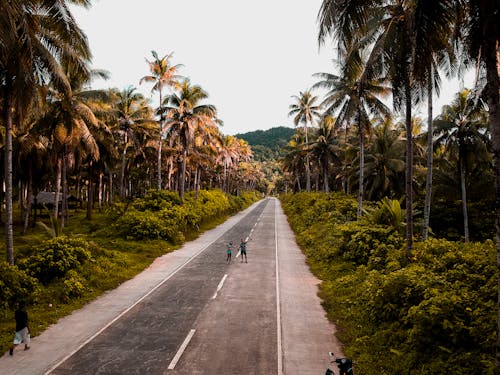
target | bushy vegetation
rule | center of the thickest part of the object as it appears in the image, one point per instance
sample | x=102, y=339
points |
x=57, y=275
x=435, y=315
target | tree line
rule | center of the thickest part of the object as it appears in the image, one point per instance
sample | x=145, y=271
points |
x=100, y=145
x=402, y=49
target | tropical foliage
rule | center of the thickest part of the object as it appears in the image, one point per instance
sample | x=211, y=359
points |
x=435, y=315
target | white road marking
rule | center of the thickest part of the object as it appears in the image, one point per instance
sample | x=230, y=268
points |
x=188, y=338
x=278, y=303
x=137, y=302
x=219, y=287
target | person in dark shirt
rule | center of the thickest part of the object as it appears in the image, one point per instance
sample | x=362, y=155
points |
x=243, y=250
x=22, y=329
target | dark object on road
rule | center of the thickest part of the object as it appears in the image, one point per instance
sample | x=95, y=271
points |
x=344, y=365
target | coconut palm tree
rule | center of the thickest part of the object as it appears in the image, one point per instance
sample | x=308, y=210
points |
x=133, y=116
x=356, y=96
x=34, y=37
x=305, y=111
x=384, y=162
x=293, y=162
x=325, y=148
x=479, y=32
x=461, y=128
x=163, y=75
x=186, y=115
x=390, y=29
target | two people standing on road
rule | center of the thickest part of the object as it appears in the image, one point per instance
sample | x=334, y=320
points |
x=243, y=251
x=22, y=329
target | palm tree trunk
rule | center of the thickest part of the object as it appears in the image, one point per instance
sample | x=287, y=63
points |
x=182, y=175
x=308, y=172
x=111, y=195
x=409, y=173
x=160, y=143
x=326, y=177
x=7, y=115
x=101, y=187
x=122, y=171
x=27, y=214
x=58, y=188
x=64, y=189
x=464, y=199
x=430, y=157
x=492, y=62
x=90, y=193
x=361, y=167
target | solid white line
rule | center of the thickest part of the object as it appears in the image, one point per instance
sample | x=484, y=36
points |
x=172, y=364
x=278, y=303
x=137, y=302
x=219, y=287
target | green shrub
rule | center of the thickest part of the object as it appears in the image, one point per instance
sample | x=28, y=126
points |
x=55, y=257
x=140, y=225
x=157, y=200
x=362, y=243
x=74, y=284
x=16, y=285
x=436, y=315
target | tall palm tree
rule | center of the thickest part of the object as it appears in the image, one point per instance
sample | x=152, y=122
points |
x=34, y=37
x=293, y=162
x=384, y=162
x=163, y=75
x=133, y=115
x=185, y=115
x=461, y=128
x=433, y=53
x=390, y=29
x=305, y=111
x=479, y=26
x=325, y=148
x=356, y=96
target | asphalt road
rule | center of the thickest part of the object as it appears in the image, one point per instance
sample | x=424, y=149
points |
x=201, y=315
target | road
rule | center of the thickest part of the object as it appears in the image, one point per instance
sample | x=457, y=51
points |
x=205, y=316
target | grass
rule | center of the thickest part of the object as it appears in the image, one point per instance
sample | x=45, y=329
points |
x=126, y=258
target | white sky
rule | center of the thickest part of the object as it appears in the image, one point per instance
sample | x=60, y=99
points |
x=250, y=56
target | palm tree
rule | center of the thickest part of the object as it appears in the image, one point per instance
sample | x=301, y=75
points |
x=293, y=162
x=461, y=128
x=325, y=148
x=384, y=162
x=433, y=52
x=134, y=116
x=34, y=37
x=305, y=111
x=164, y=75
x=479, y=27
x=185, y=116
x=356, y=96
x=391, y=30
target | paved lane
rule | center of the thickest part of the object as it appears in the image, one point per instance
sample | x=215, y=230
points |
x=146, y=339
x=237, y=331
x=265, y=318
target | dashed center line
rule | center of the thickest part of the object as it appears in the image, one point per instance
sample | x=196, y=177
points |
x=178, y=355
x=219, y=287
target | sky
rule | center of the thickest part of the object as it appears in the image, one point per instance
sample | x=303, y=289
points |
x=250, y=56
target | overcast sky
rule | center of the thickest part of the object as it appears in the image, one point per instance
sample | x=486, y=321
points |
x=250, y=56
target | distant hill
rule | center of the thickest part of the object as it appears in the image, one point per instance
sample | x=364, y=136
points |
x=267, y=144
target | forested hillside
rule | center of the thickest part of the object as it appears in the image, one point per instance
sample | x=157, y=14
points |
x=267, y=144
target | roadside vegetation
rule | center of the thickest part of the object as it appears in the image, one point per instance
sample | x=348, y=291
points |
x=58, y=274
x=435, y=314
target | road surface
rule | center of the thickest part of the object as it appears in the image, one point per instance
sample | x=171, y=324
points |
x=191, y=312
